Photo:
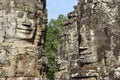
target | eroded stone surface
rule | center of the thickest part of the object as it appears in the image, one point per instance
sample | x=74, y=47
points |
x=90, y=41
x=22, y=37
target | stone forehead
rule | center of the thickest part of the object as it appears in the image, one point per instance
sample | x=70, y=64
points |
x=25, y=1
x=19, y=4
x=26, y=4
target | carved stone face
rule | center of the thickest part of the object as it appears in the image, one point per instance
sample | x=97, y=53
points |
x=94, y=33
x=26, y=22
x=93, y=44
x=88, y=53
x=18, y=20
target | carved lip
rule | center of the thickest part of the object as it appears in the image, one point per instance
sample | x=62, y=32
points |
x=24, y=29
x=86, y=52
x=27, y=25
x=88, y=58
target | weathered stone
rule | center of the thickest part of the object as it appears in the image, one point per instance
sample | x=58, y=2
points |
x=90, y=41
x=20, y=44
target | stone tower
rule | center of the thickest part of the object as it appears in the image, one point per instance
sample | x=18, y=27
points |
x=22, y=37
x=90, y=42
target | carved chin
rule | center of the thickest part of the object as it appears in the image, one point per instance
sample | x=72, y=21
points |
x=23, y=35
x=88, y=59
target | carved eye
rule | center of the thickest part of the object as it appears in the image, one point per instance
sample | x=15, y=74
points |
x=31, y=15
x=89, y=39
x=20, y=14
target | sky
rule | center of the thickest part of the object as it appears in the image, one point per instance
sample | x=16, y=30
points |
x=57, y=7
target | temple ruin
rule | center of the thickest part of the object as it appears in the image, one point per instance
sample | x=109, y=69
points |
x=22, y=36
x=89, y=48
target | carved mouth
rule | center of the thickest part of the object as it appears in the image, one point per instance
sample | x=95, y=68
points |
x=24, y=29
x=88, y=58
x=86, y=52
x=27, y=25
x=85, y=56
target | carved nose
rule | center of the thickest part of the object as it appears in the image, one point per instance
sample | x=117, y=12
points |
x=83, y=45
x=26, y=23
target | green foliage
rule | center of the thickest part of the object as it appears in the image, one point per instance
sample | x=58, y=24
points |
x=52, y=39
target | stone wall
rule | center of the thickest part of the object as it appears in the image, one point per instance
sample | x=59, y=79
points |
x=90, y=41
x=22, y=36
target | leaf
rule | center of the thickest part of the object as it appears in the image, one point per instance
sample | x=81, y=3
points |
x=52, y=39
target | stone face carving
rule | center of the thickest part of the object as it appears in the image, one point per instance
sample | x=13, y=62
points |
x=24, y=20
x=26, y=23
x=22, y=38
x=92, y=45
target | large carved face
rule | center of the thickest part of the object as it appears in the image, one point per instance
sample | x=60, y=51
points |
x=19, y=20
x=93, y=44
x=26, y=22
x=95, y=31
x=88, y=53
